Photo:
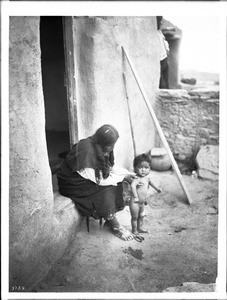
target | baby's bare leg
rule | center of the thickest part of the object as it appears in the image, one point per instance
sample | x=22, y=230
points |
x=140, y=220
x=134, y=210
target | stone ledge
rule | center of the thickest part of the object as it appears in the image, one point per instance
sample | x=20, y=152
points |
x=211, y=94
x=61, y=202
x=206, y=93
x=172, y=94
x=66, y=217
x=66, y=220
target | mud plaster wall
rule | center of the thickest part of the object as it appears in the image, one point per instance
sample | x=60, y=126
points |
x=32, y=225
x=189, y=120
x=30, y=190
x=100, y=89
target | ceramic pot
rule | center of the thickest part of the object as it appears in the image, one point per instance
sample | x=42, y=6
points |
x=160, y=160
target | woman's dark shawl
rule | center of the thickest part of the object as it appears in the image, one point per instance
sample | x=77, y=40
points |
x=82, y=155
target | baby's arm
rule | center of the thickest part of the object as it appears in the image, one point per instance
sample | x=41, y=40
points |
x=154, y=187
x=134, y=191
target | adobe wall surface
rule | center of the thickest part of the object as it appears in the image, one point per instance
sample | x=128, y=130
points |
x=100, y=86
x=35, y=227
x=189, y=120
x=39, y=229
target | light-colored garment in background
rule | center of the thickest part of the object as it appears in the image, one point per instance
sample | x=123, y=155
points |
x=164, y=46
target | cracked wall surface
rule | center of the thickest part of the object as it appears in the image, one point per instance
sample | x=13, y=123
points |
x=35, y=233
x=30, y=192
x=101, y=93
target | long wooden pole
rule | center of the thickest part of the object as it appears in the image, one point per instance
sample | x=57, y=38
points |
x=127, y=101
x=129, y=114
x=159, y=129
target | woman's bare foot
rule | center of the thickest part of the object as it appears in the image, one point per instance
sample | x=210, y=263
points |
x=123, y=234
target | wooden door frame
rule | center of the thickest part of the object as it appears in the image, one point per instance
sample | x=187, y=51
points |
x=70, y=80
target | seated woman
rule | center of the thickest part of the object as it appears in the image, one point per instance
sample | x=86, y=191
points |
x=88, y=176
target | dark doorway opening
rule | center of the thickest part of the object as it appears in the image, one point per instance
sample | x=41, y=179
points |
x=54, y=90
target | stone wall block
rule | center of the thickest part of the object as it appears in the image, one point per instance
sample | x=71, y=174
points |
x=207, y=162
x=204, y=132
x=171, y=94
x=213, y=101
x=190, y=123
x=205, y=93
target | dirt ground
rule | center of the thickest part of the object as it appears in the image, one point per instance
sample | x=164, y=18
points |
x=181, y=246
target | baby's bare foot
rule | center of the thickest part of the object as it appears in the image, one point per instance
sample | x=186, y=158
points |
x=142, y=230
x=135, y=232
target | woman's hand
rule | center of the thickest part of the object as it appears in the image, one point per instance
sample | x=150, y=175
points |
x=129, y=177
x=136, y=200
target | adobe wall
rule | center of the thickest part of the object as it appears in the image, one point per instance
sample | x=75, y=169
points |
x=99, y=81
x=35, y=223
x=41, y=228
x=189, y=119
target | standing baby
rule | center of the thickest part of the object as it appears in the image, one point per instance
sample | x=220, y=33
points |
x=140, y=192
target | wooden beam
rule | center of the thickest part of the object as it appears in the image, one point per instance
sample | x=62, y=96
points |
x=159, y=129
x=129, y=115
x=70, y=79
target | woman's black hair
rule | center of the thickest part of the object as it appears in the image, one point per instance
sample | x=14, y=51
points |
x=105, y=162
x=106, y=135
x=140, y=158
